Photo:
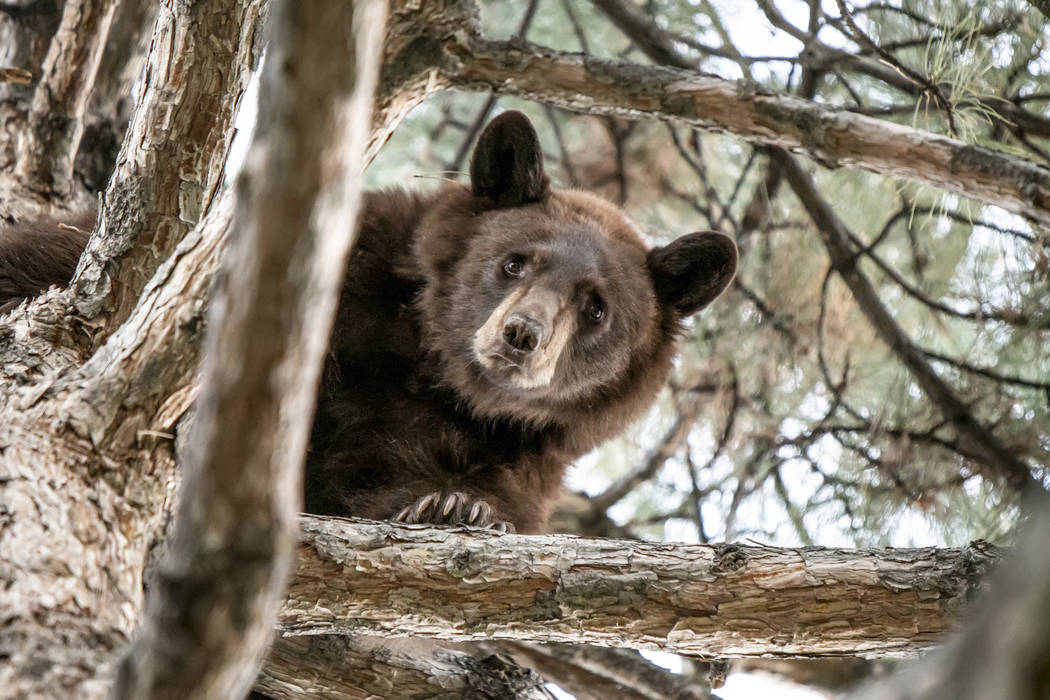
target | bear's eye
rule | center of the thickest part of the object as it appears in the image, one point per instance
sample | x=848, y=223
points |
x=595, y=310
x=514, y=266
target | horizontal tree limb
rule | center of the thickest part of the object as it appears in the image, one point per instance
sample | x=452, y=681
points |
x=830, y=135
x=361, y=577
x=1004, y=651
x=361, y=668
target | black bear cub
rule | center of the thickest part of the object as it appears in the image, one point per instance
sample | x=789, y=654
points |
x=489, y=335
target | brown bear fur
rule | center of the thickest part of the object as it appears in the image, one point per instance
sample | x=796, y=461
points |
x=36, y=255
x=486, y=337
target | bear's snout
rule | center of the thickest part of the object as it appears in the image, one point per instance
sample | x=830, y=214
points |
x=522, y=333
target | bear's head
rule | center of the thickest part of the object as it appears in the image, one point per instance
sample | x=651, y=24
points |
x=546, y=305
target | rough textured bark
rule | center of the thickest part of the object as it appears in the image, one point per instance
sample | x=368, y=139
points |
x=172, y=163
x=1005, y=650
x=86, y=419
x=56, y=119
x=86, y=477
x=170, y=170
x=324, y=666
x=212, y=602
x=360, y=577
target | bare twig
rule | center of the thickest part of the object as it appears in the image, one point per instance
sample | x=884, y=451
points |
x=836, y=238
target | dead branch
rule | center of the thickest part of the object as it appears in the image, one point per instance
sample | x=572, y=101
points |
x=1001, y=460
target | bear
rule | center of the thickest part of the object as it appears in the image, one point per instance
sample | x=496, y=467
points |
x=489, y=334
x=37, y=254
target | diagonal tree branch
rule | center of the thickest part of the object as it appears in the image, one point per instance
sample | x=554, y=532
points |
x=836, y=238
x=208, y=621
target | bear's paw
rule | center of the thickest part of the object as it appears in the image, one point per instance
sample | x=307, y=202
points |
x=456, y=508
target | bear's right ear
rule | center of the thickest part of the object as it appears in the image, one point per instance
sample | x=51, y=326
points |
x=690, y=272
x=507, y=167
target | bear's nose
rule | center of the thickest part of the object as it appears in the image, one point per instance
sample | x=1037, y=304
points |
x=522, y=333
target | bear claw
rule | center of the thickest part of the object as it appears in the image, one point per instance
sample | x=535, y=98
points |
x=456, y=508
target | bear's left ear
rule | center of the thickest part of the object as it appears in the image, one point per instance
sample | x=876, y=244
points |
x=690, y=272
x=507, y=167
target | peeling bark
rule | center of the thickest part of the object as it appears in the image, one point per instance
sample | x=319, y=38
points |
x=712, y=601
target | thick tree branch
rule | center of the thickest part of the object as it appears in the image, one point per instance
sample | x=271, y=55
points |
x=172, y=163
x=56, y=118
x=211, y=606
x=327, y=666
x=1005, y=650
x=361, y=577
x=836, y=238
x=169, y=172
x=832, y=136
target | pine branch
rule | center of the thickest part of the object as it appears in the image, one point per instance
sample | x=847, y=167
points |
x=359, y=577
